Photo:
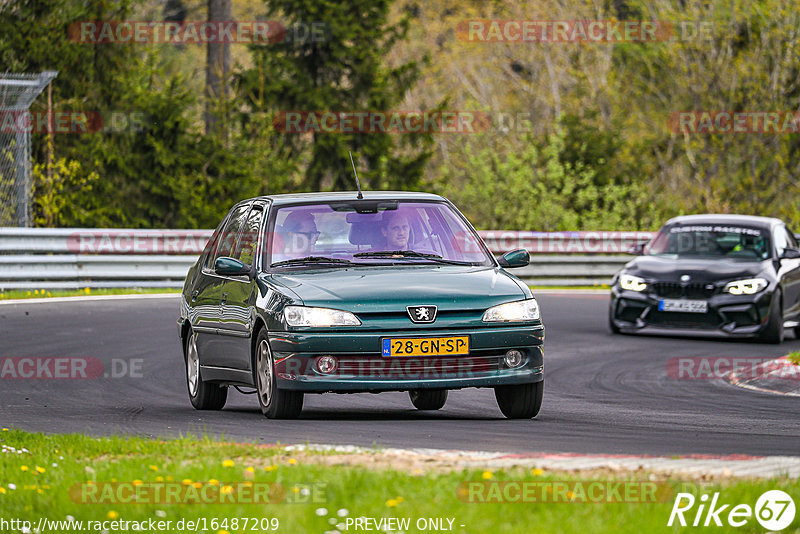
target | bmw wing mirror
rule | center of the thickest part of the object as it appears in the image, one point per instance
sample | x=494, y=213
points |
x=790, y=254
x=230, y=267
x=637, y=249
x=515, y=258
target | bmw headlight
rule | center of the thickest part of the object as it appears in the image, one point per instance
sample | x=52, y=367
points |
x=750, y=286
x=632, y=283
x=308, y=316
x=521, y=310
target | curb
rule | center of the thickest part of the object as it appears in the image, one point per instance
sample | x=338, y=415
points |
x=695, y=466
x=778, y=377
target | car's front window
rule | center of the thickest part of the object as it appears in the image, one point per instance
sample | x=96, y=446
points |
x=372, y=233
x=711, y=240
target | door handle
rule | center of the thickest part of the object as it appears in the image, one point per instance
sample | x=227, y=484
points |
x=224, y=299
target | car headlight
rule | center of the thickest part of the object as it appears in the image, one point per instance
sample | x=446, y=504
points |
x=307, y=316
x=749, y=286
x=521, y=310
x=633, y=283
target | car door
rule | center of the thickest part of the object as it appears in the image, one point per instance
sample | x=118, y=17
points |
x=212, y=351
x=203, y=302
x=789, y=271
x=239, y=296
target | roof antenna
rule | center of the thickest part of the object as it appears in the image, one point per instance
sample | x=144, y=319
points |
x=360, y=196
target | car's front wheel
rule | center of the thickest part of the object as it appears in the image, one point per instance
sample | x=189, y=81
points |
x=521, y=401
x=275, y=403
x=773, y=331
x=428, y=399
x=204, y=395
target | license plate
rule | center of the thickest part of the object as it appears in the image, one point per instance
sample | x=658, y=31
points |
x=425, y=346
x=689, y=306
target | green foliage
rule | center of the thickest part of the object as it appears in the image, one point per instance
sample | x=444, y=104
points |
x=342, y=68
x=543, y=188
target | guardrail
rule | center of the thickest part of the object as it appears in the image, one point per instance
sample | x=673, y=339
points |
x=32, y=258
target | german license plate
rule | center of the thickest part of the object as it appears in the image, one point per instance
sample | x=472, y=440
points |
x=687, y=306
x=425, y=346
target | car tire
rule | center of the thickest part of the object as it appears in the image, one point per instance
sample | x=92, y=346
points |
x=773, y=332
x=203, y=395
x=611, y=326
x=521, y=401
x=428, y=399
x=275, y=403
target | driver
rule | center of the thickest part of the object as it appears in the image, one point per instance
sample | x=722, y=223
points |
x=396, y=231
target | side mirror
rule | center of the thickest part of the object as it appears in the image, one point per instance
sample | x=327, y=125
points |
x=515, y=258
x=230, y=267
x=637, y=249
x=790, y=254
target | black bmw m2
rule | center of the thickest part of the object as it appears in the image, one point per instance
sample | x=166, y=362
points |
x=734, y=275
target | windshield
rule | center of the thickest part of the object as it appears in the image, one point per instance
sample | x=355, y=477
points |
x=715, y=241
x=372, y=233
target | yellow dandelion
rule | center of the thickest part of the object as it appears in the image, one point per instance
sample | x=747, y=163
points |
x=250, y=470
x=292, y=461
x=399, y=499
x=570, y=495
x=537, y=472
x=487, y=475
x=213, y=482
x=392, y=503
x=222, y=532
x=2, y=490
x=24, y=467
x=5, y=430
x=112, y=514
x=295, y=489
x=159, y=479
x=40, y=469
x=226, y=490
x=137, y=483
x=197, y=485
x=90, y=483
x=153, y=468
x=186, y=482
x=227, y=463
x=270, y=468
x=87, y=290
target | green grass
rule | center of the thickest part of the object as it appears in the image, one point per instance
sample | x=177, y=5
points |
x=794, y=357
x=359, y=490
x=45, y=293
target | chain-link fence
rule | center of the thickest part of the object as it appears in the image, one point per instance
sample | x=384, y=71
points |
x=17, y=93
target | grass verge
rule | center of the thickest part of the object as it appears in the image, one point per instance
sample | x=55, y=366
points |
x=62, y=477
x=45, y=293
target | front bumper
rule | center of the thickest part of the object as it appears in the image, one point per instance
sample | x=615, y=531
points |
x=732, y=315
x=361, y=367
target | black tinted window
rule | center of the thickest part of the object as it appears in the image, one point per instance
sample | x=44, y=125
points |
x=227, y=242
x=248, y=240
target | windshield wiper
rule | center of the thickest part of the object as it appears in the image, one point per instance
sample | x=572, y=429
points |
x=408, y=254
x=312, y=259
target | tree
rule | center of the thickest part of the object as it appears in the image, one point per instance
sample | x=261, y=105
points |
x=218, y=66
x=333, y=57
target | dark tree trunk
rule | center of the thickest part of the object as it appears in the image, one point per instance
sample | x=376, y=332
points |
x=218, y=63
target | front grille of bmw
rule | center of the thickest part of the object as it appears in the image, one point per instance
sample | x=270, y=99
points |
x=682, y=290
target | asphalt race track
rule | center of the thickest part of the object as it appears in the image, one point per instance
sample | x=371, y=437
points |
x=603, y=393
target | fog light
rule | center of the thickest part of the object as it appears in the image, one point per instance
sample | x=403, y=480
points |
x=514, y=358
x=326, y=364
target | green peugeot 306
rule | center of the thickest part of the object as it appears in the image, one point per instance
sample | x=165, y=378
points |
x=347, y=293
